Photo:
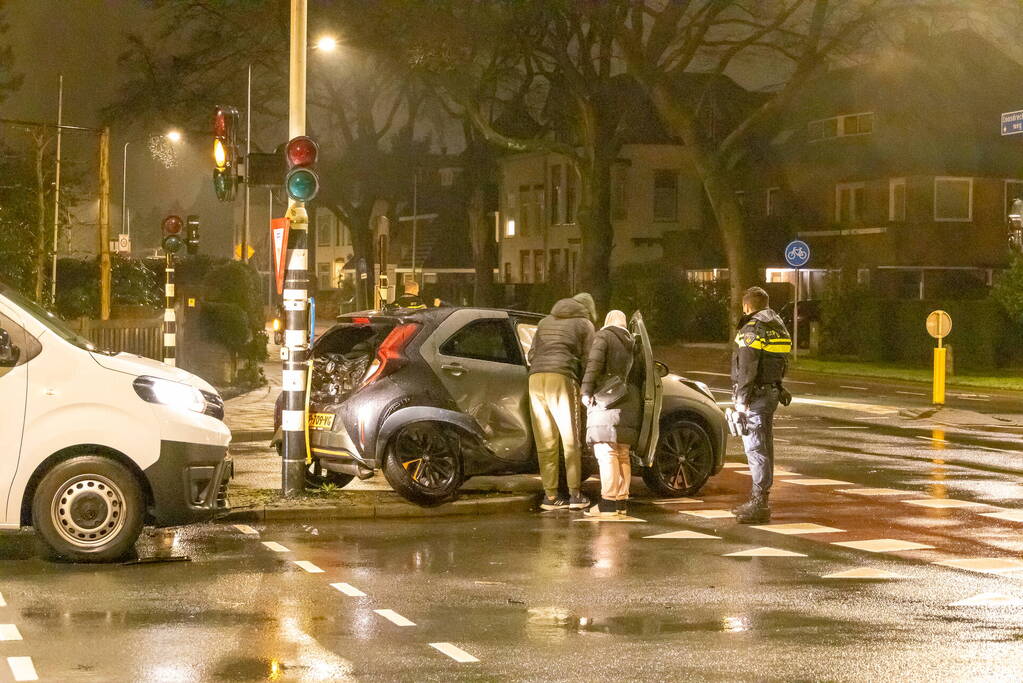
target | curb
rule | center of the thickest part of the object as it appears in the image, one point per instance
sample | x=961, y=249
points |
x=249, y=435
x=485, y=506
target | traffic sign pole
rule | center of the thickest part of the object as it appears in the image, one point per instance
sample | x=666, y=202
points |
x=797, y=255
x=939, y=324
x=795, y=322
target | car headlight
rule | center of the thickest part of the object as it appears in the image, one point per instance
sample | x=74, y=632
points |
x=168, y=393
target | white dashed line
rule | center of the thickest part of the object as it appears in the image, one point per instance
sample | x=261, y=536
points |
x=348, y=589
x=245, y=529
x=276, y=547
x=783, y=440
x=856, y=388
x=456, y=653
x=22, y=668
x=394, y=617
x=307, y=566
x=796, y=381
x=9, y=632
x=931, y=438
x=864, y=573
x=910, y=393
x=973, y=398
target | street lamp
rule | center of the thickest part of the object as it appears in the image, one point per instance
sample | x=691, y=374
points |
x=173, y=136
x=326, y=44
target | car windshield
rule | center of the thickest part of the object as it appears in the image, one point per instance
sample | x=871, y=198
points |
x=48, y=320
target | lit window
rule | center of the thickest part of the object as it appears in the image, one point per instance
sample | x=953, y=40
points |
x=953, y=199
x=509, y=228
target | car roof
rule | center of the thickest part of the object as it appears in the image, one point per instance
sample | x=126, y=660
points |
x=428, y=313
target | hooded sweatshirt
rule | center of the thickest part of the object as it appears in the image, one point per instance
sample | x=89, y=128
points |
x=563, y=339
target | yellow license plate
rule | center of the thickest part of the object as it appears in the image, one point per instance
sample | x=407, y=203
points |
x=321, y=421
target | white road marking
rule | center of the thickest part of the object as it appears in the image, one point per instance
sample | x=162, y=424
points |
x=943, y=503
x=777, y=428
x=735, y=465
x=764, y=552
x=9, y=632
x=616, y=518
x=796, y=381
x=276, y=547
x=856, y=388
x=1009, y=515
x=911, y=393
x=394, y=617
x=878, y=492
x=821, y=482
x=882, y=545
x=704, y=372
x=682, y=534
x=864, y=573
x=707, y=514
x=672, y=501
x=986, y=565
x=972, y=398
x=348, y=589
x=783, y=440
x=845, y=405
x=22, y=668
x=307, y=566
x=848, y=427
x=456, y=653
x=988, y=600
x=931, y=438
x=245, y=529
x=800, y=528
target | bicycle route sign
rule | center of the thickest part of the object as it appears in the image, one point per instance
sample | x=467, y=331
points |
x=797, y=253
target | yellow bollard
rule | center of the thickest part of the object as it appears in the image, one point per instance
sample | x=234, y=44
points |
x=939, y=376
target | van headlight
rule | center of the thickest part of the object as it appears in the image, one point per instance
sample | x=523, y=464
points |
x=168, y=393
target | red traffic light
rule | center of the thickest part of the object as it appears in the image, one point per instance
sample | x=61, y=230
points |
x=301, y=151
x=172, y=225
x=225, y=123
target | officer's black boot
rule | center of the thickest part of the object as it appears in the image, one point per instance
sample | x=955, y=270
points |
x=754, y=511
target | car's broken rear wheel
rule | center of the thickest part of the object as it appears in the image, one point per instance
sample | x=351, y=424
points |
x=424, y=463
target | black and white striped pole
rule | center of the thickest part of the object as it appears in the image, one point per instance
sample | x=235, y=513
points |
x=295, y=353
x=172, y=242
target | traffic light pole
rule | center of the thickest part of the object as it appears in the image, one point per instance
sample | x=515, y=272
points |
x=295, y=354
x=169, y=321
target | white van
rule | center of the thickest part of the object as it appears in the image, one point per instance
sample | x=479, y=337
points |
x=93, y=444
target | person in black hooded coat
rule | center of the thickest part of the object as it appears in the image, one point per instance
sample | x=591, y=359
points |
x=612, y=431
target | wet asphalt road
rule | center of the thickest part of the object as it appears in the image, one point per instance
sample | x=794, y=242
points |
x=547, y=597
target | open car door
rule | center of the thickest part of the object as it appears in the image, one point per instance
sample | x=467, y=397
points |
x=650, y=396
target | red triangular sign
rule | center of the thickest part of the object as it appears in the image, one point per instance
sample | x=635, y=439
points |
x=279, y=228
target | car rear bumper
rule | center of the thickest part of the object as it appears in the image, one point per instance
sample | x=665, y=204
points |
x=337, y=447
x=189, y=482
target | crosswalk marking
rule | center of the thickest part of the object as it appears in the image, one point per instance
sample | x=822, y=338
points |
x=943, y=503
x=456, y=653
x=864, y=573
x=246, y=529
x=986, y=565
x=882, y=545
x=800, y=528
x=348, y=589
x=682, y=534
x=394, y=617
x=22, y=668
x=764, y=552
x=1009, y=515
x=707, y=514
x=821, y=482
x=672, y=501
x=988, y=600
x=616, y=518
x=9, y=632
x=307, y=566
x=276, y=547
x=877, y=492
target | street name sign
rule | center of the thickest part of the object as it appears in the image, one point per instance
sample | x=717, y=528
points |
x=797, y=253
x=1012, y=122
x=939, y=324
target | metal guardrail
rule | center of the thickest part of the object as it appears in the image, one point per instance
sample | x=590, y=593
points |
x=141, y=336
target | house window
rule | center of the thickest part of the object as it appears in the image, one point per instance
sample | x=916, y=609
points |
x=341, y=235
x=525, y=208
x=507, y=272
x=324, y=231
x=863, y=277
x=666, y=196
x=841, y=126
x=953, y=199
x=619, y=198
x=538, y=264
x=773, y=196
x=849, y=202
x=509, y=228
x=555, y=195
x=323, y=275
x=524, y=266
x=740, y=199
x=554, y=269
x=538, y=207
x=570, y=192
x=897, y=200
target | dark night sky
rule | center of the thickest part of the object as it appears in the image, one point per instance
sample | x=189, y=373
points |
x=82, y=40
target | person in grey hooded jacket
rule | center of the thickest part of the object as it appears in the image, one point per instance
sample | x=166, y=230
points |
x=556, y=358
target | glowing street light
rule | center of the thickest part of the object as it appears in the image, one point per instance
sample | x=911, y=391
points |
x=173, y=136
x=326, y=44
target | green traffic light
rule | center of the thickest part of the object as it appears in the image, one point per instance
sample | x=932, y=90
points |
x=172, y=244
x=302, y=184
x=224, y=184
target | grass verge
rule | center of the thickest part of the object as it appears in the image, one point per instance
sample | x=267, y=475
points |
x=1008, y=380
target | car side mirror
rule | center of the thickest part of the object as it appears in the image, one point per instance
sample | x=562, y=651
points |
x=9, y=353
x=661, y=368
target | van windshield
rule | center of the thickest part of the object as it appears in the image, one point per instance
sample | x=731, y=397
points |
x=48, y=320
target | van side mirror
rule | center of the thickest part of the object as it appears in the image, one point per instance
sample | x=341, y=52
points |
x=661, y=368
x=9, y=353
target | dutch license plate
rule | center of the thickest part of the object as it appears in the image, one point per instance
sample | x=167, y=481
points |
x=321, y=421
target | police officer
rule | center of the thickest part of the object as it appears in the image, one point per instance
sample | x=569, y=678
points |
x=759, y=362
x=410, y=298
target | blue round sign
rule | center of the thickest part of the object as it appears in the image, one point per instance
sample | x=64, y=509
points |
x=797, y=253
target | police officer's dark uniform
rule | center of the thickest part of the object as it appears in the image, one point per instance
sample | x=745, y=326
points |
x=759, y=362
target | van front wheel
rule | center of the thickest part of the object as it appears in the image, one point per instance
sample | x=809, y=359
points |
x=89, y=509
